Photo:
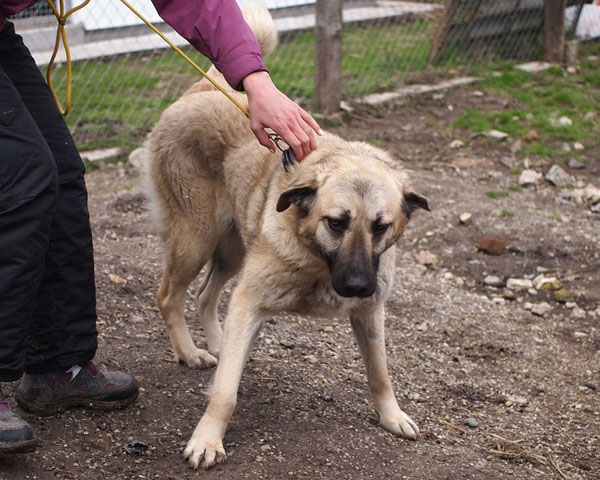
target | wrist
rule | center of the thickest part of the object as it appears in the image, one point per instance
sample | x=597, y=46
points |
x=257, y=81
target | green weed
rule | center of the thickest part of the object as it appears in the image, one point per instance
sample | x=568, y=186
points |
x=497, y=193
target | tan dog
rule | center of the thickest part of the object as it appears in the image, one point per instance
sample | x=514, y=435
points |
x=318, y=240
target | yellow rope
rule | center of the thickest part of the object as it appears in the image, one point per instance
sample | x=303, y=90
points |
x=61, y=16
x=187, y=59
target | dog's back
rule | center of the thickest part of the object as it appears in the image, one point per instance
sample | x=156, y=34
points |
x=184, y=175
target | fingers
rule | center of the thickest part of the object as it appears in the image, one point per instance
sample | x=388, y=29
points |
x=263, y=138
x=311, y=121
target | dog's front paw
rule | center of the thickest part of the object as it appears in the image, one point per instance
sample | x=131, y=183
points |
x=399, y=423
x=197, y=358
x=204, y=450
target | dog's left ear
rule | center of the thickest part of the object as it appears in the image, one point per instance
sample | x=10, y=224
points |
x=300, y=196
x=412, y=201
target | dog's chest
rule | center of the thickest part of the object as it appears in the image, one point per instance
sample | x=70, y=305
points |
x=318, y=299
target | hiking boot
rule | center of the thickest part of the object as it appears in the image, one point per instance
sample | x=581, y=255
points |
x=16, y=435
x=52, y=392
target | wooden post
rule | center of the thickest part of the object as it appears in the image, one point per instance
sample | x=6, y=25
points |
x=554, y=30
x=328, y=56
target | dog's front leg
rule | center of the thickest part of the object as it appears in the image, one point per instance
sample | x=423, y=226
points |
x=242, y=325
x=370, y=334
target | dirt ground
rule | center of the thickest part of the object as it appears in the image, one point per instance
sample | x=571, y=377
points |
x=457, y=349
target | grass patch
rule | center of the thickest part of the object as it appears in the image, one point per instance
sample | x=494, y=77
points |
x=507, y=213
x=515, y=187
x=497, y=193
x=541, y=97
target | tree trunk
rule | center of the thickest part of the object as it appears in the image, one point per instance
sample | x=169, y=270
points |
x=554, y=30
x=328, y=55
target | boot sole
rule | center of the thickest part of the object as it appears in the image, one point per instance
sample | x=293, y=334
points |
x=48, y=409
x=19, y=447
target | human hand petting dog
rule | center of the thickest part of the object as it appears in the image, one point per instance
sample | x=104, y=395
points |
x=270, y=108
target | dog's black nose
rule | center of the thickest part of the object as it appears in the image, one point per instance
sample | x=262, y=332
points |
x=358, y=284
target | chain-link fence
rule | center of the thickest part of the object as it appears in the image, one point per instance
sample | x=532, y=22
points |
x=124, y=75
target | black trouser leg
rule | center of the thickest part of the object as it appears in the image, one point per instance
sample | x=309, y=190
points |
x=63, y=325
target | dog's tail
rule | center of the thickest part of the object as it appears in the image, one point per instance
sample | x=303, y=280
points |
x=262, y=25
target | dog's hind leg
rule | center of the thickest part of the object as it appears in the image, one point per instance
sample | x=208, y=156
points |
x=369, y=331
x=226, y=262
x=186, y=252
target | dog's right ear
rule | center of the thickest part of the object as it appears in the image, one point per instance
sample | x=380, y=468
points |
x=303, y=197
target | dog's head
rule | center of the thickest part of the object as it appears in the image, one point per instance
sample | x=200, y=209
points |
x=350, y=207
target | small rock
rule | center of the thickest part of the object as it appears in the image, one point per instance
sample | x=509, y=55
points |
x=517, y=284
x=414, y=397
x=564, y=295
x=579, y=334
x=592, y=194
x=438, y=96
x=546, y=283
x=491, y=245
x=565, y=194
x=516, y=147
x=116, y=278
x=471, y=422
x=589, y=116
x=570, y=305
x=557, y=176
x=595, y=208
x=575, y=164
x=578, y=146
x=528, y=306
x=425, y=257
x=346, y=107
x=422, y=269
x=465, y=218
x=508, y=162
x=454, y=144
x=578, y=313
x=477, y=93
x=529, y=177
x=541, y=309
x=517, y=400
x=328, y=329
x=531, y=136
x=135, y=318
x=135, y=449
x=560, y=122
x=508, y=294
x=493, y=281
x=566, y=147
x=497, y=134
x=407, y=128
x=311, y=359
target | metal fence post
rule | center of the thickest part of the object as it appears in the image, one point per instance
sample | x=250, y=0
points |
x=554, y=30
x=328, y=55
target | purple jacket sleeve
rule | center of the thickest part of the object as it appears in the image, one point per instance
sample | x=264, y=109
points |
x=218, y=31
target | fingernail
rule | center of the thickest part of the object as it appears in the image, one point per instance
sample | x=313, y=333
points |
x=320, y=132
x=272, y=150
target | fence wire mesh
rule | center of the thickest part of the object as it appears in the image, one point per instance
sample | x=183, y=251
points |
x=124, y=75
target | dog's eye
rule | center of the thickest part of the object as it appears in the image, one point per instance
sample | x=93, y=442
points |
x=338, y=225
x=380, y=228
